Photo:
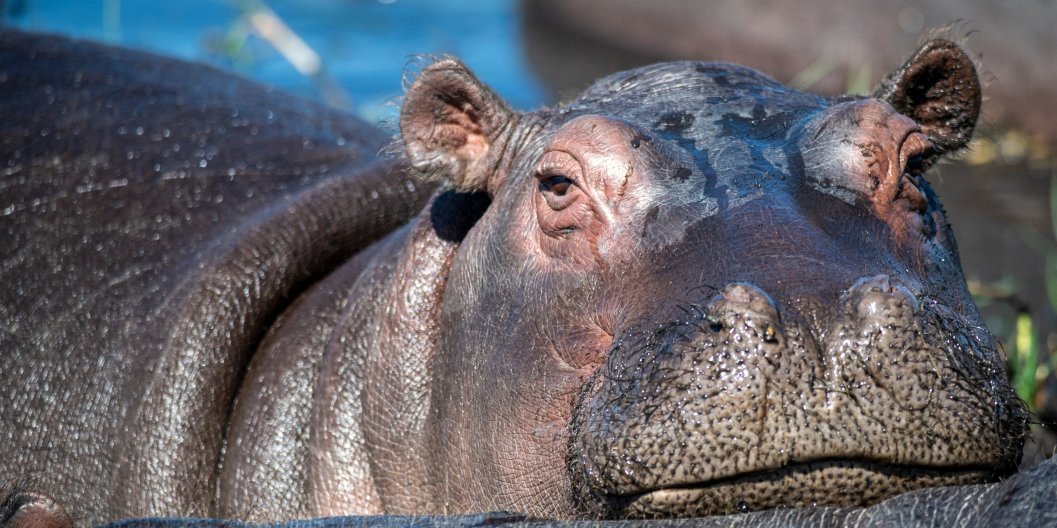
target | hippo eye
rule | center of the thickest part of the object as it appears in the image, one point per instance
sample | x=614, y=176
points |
x=557, y=178
x=558, y=184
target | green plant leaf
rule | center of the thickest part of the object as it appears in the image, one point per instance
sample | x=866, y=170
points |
x=1025, y=360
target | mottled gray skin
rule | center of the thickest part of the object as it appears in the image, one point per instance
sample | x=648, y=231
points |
x=691, y=291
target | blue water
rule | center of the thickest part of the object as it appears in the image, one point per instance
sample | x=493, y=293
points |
x=365, y=44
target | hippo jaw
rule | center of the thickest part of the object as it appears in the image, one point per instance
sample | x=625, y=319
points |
x=737, y=407
x=819, y=483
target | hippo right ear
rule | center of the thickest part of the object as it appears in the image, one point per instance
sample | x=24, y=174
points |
x=454, y=126
x=938, y=87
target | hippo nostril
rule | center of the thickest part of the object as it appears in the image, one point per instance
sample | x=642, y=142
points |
x=742, y=297
x=878, y=294
x=909, y=298
x=743, y=307
x=876, y=283
x=738, y=293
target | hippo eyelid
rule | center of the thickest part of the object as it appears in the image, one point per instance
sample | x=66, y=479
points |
x=558, y=174
x=559, y=195
x=558, y=184
x=558, y=163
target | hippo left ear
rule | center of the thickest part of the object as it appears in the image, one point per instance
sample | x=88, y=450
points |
x=454, y=126
x=939, y=88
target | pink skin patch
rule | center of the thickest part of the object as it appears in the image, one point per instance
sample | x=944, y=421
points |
x=584, y=177
x=889, y=152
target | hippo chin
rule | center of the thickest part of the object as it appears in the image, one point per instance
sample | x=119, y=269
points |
x=690, y=291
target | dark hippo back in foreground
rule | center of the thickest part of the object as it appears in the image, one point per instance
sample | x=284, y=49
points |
x=156, y=217
x=691, y=291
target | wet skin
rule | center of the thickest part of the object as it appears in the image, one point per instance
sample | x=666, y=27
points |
x=690, y=291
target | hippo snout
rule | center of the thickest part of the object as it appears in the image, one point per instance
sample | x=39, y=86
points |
x=746, y=403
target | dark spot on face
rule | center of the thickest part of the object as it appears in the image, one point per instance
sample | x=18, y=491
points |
x=714, y=324
x=796, y=163
x=720, y=78
x=676, y=122
x=651, y=217
x=760, y=126
x=681, y=174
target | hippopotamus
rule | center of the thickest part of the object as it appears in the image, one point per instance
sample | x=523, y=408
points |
x=689, y=291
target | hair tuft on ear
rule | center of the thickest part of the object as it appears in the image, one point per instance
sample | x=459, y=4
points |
x=450, y=124
x=939, y=88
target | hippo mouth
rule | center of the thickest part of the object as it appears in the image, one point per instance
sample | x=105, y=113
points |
x=834, y=481
x=745, y=409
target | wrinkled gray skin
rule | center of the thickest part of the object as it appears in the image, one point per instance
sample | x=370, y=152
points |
x=689, y=292
x=157, y=217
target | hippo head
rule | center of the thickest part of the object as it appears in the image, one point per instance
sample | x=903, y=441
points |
x=696, y=291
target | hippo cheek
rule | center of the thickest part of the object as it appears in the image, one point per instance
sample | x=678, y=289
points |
x=740, y=407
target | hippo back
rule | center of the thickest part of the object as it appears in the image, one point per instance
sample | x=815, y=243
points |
x=156, y=215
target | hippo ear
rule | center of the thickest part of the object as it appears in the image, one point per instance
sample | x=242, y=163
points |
x=939, y=88
x=454, y=126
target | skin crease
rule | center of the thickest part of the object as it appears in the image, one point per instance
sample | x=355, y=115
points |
x=691, y=291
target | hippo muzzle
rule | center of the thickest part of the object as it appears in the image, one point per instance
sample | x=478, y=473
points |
x=742, y=405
